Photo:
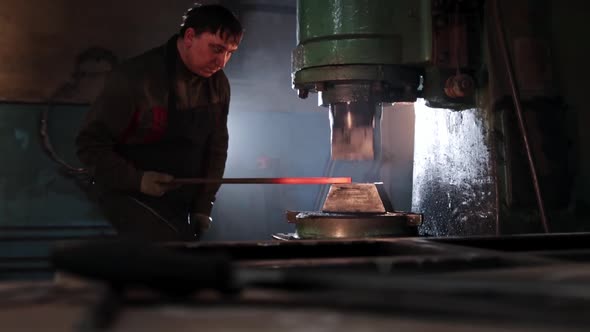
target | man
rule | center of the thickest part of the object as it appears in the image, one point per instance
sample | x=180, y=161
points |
x=163, y=115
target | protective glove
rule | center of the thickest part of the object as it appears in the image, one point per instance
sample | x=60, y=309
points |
x=156, y=184
x=201, y=223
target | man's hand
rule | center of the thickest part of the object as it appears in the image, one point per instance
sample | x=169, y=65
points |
x=201, y=222
x=156, y=184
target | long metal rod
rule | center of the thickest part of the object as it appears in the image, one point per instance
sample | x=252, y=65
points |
x=519, y=115
x=304, y=180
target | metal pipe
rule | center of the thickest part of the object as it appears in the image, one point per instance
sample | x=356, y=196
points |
x=519, y=114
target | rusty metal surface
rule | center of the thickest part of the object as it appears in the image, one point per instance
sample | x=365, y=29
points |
x=453, y=185
x=355, y=198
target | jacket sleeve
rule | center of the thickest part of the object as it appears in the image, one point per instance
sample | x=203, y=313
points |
x=216, y=156
x=107, y=120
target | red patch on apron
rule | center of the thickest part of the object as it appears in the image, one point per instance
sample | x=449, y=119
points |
x=159, y=124
x=131, y=127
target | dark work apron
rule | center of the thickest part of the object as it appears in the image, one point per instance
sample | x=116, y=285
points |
x=179, y=153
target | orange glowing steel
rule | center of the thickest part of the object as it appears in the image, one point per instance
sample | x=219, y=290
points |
x=312, y=180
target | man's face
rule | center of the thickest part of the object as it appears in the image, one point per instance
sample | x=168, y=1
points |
x=207, y=52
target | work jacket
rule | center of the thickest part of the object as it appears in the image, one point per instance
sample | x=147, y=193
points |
x=156, y=115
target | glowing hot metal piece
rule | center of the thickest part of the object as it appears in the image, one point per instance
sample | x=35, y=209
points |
x=308, y=180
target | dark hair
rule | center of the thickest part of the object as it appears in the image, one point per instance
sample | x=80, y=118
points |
x=213, y=19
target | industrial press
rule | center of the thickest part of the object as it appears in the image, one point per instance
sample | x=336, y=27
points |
x=451, y=59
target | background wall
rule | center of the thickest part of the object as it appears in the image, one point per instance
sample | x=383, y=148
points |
x=569, y=50
x=41, y=39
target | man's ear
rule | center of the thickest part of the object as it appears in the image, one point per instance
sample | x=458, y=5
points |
x=188, y=37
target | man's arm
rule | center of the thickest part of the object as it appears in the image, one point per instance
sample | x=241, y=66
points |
x=106, y=122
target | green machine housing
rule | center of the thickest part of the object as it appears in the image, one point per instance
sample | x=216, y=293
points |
x=359, y=54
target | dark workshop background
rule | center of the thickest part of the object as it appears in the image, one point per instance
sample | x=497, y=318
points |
x=272, y=132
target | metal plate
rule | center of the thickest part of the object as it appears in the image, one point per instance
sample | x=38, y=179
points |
x=319, y=225
x=355, y=198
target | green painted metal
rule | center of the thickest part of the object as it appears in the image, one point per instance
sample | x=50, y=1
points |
x=351, y=72
x=362, y=32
